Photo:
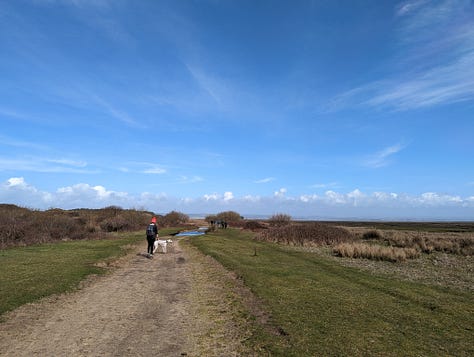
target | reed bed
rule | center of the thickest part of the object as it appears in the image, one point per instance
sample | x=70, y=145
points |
x=375, y=252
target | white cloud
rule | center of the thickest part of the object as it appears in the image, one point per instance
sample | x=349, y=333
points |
x=16, y=181
x=18, y=143
x=324, y=185
x=444, y=84
x=192, y=179
x=408, y=7
x=380, y=158
x=17, y=191
x=116, y=113
x=154, y=170
x=437, y=66
x=332, y=204
x=68, y=162
x=280, y=193
x=41, y=164
x=265, y=180
x=228, y=196
x=211, y=197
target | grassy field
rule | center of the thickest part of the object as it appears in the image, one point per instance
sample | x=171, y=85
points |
x=33, y=272
x=30, y=273
x=321, y=308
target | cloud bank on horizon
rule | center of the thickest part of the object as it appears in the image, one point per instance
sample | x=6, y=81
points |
x=309, y=108
x=330, y=205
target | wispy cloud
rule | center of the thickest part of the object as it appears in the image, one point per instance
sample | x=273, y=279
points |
x=142, y=167
x=265, y=180
x=446, y=84
x=38, y=164
x=409, y=6
x=325, y=185
x=19, y=143
x=192, y=179
x=116, y=113
x=381, y=158
x=68, y=162
x=436, y=39
x=154, y=170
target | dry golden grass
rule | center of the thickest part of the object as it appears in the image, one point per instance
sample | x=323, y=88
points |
x=426, y=242
x=375, y=252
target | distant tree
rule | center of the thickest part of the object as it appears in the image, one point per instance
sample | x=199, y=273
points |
x=210, y=218
x=174, y=218
x=279, y=220
x=229, y=216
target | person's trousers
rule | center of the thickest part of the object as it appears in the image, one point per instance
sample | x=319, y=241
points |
x=151, y=241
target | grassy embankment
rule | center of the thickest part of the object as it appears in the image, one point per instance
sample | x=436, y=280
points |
x=321, y=308
x=30, y=273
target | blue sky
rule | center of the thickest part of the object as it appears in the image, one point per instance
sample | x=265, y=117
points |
x=323, y=109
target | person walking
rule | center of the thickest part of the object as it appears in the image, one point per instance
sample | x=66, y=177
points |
x=151, y=234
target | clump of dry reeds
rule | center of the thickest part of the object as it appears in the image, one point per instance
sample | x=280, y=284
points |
x=306, y=234
x=375, y=252
x=462, y=244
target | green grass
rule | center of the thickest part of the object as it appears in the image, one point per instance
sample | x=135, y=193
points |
x=30, y=273
x=324, y=309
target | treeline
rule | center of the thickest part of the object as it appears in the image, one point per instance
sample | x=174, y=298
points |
x=21, y=226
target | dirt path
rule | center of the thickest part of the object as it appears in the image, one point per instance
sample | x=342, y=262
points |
x=177, y=304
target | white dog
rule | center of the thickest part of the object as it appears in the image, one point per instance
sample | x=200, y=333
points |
x=162, y=244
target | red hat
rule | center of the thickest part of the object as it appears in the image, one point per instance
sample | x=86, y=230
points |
x=153, y=220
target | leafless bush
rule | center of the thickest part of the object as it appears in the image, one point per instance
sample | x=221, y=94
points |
x=372, y=234
x=173, y=219
x=375, y=252
x=21, y=226
x=254, y=225
x=229, y=216
x=306, y=234
x=279, y=220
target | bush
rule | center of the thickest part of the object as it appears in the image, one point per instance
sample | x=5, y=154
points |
x=372, y=234
x=174, y=219
x=210, y=218
x=254, y=225
x=306, y=234
x=21, y=226
x=280, y=219
x=229, y=216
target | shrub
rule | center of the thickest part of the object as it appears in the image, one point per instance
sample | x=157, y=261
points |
x=254, y=225
x=21, y=226
x=229, y=216
x=174, y=219
x=372, y=234
x=306, y=234
x=210, y=218
x=279, y=219
x=114, y=224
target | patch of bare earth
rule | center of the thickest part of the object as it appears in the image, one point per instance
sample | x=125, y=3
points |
x=177, y=304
